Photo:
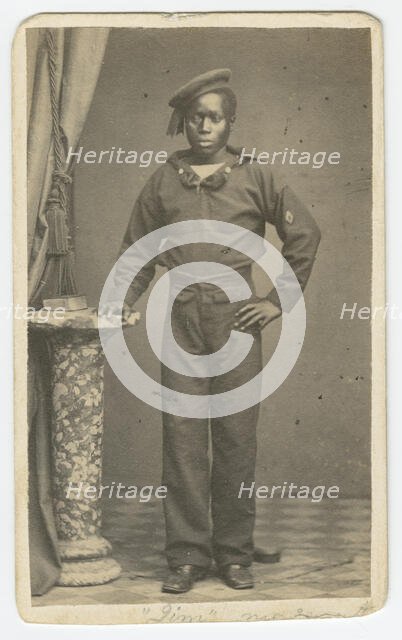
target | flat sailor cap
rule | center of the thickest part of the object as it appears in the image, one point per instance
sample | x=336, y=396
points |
x=204, y=83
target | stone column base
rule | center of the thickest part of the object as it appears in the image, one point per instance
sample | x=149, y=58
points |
x=88, y=572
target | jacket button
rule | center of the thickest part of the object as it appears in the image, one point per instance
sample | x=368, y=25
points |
x=181, y=170
x=228, y=169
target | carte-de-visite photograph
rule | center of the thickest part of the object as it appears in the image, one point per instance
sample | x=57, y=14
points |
x=199, y=317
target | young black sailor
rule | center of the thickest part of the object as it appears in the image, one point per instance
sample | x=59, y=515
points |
x=207, y=181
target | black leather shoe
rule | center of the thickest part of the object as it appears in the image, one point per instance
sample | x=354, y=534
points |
x=237, y=576
x=182, y=578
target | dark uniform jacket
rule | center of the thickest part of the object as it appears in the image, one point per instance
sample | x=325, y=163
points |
x=243, y=194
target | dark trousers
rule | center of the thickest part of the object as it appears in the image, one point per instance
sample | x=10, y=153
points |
x=202, y=319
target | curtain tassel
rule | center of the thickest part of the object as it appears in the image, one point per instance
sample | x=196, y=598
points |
x=58, y=244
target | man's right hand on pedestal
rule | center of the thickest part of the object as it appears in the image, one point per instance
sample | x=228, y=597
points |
x=112, y=310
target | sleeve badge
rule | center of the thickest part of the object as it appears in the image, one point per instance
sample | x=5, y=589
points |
x=289, y=217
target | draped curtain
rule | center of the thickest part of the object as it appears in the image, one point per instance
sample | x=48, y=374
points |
x=78, y=56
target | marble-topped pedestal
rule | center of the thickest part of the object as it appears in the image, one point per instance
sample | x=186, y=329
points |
x=77, y=429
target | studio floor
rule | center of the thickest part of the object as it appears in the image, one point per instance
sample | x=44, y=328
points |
x=325, y=552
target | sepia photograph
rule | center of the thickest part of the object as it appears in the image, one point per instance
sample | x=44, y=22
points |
x=199, y=317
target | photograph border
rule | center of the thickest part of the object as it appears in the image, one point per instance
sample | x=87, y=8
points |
x=214, y=611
